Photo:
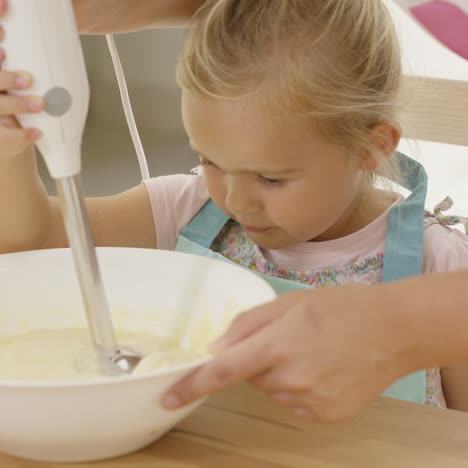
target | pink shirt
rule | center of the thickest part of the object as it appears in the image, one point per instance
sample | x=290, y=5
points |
x=176, y=199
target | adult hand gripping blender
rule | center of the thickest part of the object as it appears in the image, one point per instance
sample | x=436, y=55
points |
x=41, y=37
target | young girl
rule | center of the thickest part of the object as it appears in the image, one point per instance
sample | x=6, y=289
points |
x=291, y=107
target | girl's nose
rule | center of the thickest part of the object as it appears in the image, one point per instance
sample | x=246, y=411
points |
x=241, y=199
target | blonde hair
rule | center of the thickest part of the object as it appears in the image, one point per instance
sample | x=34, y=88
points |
x=335, y=62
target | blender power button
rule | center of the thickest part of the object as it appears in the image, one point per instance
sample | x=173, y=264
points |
x=58, y=101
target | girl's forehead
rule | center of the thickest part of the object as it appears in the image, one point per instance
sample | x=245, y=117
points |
x=225, y=107
x=238, y=136
x=246, y=117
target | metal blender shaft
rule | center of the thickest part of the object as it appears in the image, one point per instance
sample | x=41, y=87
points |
x=79, y=236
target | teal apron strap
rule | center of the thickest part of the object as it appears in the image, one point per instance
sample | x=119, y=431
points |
x=200, y=234
x=403, y=256
x=404, y=241
x=207, y=224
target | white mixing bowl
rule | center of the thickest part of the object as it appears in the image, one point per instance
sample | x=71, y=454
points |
x=174, y=295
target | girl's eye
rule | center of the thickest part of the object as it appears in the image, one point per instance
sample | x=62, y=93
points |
x=271, y=182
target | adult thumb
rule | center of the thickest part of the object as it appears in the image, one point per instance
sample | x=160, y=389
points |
x=250, y=322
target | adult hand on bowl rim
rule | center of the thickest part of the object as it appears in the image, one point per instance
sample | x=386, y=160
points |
x=323, y=353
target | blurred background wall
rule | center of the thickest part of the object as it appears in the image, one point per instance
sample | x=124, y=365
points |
x=149, y=59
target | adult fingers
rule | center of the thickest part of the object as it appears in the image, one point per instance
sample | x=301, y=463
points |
x=12, y=105
x=18, y=136
x=250, y=322
x=14, y=80
x=242, y=361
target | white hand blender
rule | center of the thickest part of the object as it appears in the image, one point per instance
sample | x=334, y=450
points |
x=41, y=37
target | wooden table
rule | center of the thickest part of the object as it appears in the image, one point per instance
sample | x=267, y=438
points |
x=240, y=428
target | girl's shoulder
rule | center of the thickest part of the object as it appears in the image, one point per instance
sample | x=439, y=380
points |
x=445, y=247
x=175, y=200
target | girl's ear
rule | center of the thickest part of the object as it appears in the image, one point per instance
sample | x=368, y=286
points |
x=384, y=138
